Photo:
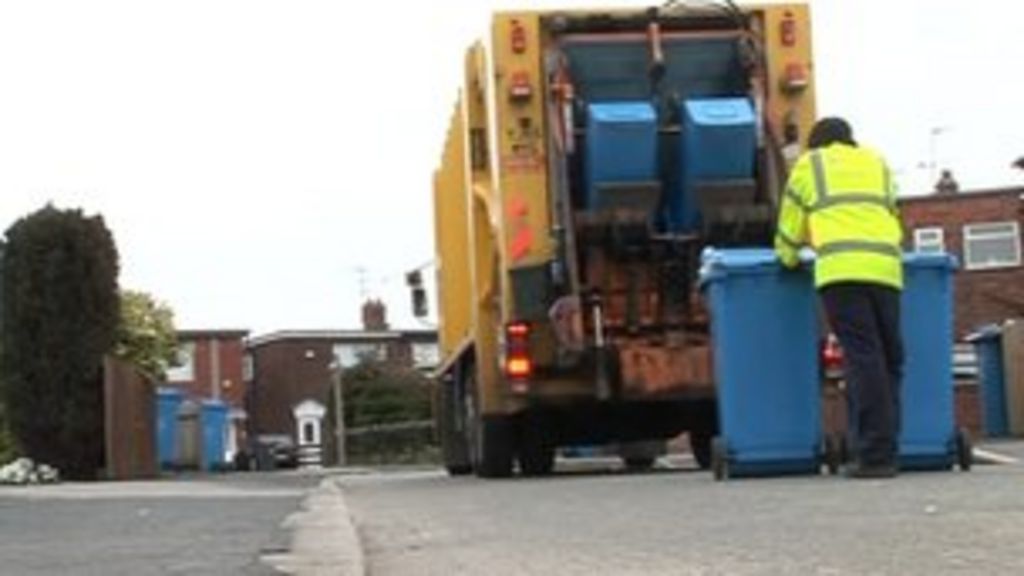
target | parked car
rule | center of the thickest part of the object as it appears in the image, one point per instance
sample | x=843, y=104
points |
x=272, y=451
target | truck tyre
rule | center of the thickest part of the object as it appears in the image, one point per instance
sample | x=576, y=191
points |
x=451, y=435
x=536, y=451
x=491, y=438
x=700, y=447
x=719, y=459
x=494, y=451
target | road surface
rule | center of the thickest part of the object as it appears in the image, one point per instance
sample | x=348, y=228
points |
x=682, y=522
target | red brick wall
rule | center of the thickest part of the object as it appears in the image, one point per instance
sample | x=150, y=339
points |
x=981, y=296
x=283, y=376
x=231, y=352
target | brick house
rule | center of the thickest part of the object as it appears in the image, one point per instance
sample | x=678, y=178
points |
x=983, y=230
x=212, y=366
x=293, y=369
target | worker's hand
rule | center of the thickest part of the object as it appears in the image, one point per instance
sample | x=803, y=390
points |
x=807, y=255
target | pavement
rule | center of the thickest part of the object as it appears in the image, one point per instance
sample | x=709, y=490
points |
x=217, y=524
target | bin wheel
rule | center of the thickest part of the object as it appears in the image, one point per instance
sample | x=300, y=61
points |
x=964, y=450
x=834, y=453
x=719, y=459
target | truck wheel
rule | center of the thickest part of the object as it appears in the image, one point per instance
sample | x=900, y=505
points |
x=719, y=459
x=491, y=438
x=536, y=451
x=494, y=451
x=964, y=450
x=454, y=450
x=700, y=446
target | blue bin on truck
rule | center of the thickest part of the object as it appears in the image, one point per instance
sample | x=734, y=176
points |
x=929, y=439
x=214, y=419
x=168, y=402
x=621, y=146
x=988, y=345
x=718, y=143
x=764, y=326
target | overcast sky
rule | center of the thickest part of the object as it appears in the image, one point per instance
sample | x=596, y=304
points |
x=263, y=164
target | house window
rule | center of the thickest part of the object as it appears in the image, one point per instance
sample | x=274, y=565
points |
x=991, y=245
x=184, y=369
x=425, y=355
x=351, y=354
x=930, y=240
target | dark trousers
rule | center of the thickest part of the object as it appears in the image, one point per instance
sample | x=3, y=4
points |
x=866, y=320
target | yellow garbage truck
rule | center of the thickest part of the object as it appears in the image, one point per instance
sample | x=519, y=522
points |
x=590, y=157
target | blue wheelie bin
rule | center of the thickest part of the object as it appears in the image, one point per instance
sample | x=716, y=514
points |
x=168, y=401
x=929, y=439
x=214, y=426
x=764, y=326
x=988, y=344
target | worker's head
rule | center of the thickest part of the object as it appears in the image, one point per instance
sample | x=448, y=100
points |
x=829, y=131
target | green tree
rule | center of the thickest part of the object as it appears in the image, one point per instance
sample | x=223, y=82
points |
x=60, y=316
x=146, y=336
x=378, y=393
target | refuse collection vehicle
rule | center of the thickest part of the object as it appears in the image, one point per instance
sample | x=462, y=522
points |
x=590, y=157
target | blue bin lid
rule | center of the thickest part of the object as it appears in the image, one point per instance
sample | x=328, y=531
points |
x=214, y=405
x=622, y=112
x=170, y=392
x=719, y=263
x=720, y=111
x=929, y=260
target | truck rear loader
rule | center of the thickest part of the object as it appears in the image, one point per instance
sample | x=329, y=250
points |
x=591, y=156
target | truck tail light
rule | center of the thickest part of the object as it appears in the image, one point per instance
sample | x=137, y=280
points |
x=832, y=356
x=518, y=365
x=787, y=30
x=517, y=37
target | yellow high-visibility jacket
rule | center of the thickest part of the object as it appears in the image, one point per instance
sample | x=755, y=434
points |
x=840, y=200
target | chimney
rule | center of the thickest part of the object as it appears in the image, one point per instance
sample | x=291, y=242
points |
x=947, y=184
x=375, y=316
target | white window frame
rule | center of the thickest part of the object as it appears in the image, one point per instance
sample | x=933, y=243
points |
x=972, y=232
x=184, y=370
x=923, y=244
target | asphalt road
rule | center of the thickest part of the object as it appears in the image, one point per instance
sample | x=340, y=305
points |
x=205, y=525
x=682, y=522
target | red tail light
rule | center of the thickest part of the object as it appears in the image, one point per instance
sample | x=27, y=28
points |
x=831, y=354
x=787, y=30
x=518, y=365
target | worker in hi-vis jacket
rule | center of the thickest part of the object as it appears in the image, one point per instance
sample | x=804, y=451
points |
x=840, y=201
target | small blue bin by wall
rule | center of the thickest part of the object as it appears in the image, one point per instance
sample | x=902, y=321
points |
x=214, y=419
x=928, y=433
x=622, y=145
x=718, y=142
x=168, y=401
x=764, y=325
x=988, y=344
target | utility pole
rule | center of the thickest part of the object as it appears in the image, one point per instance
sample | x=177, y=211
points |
x=339, y=414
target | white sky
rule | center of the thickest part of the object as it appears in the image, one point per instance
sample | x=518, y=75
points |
x=251, y=156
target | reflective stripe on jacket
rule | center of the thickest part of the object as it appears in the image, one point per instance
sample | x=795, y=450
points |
x=841, y=201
